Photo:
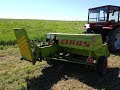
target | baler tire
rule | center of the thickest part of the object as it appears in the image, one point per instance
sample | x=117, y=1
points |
x=102, y=66
x=111, y=40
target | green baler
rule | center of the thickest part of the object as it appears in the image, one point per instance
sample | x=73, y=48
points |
x=74, y=48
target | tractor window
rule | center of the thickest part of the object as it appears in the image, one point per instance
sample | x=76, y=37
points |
x=119, y=15
x=98, y=15
x=114, y=14
x=113, y=17
x=102, y=16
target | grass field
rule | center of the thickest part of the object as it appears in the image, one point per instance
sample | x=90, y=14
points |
x=22, y=75
x=36, y=28
x=14, y=72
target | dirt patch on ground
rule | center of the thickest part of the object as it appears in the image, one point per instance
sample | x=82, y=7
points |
x=2, y=55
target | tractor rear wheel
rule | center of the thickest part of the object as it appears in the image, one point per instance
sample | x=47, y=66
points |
x=113, y=40
x=102, y=66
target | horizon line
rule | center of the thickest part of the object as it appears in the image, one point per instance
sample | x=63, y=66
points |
x=42, y=19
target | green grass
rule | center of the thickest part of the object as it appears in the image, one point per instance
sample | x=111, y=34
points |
x=37, y=28
x=14, y=72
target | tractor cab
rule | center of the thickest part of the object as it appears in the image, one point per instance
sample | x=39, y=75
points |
x=105, y=20
x=105, y=17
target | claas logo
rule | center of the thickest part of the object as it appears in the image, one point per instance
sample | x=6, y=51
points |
x=77, y=43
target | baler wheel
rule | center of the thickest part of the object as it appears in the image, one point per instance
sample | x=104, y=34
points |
x=102, y=66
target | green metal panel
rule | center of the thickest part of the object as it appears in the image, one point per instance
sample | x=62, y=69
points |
x=82, y=44
x=80, y=52
x=47, y=51
x=23, y=43
x=103, y=51
x=90, y=45
x=80, y=41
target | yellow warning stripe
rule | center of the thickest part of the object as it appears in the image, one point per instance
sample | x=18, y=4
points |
x=22, y=42
x=28, y=56
x=26, y=50
x=21, y=39
x=25, y=54
x=25, y=45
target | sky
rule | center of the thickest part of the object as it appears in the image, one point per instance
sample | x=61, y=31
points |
x=50, y=9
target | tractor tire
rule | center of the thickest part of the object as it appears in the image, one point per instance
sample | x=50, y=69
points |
x=102, y=66
x=113, y=40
